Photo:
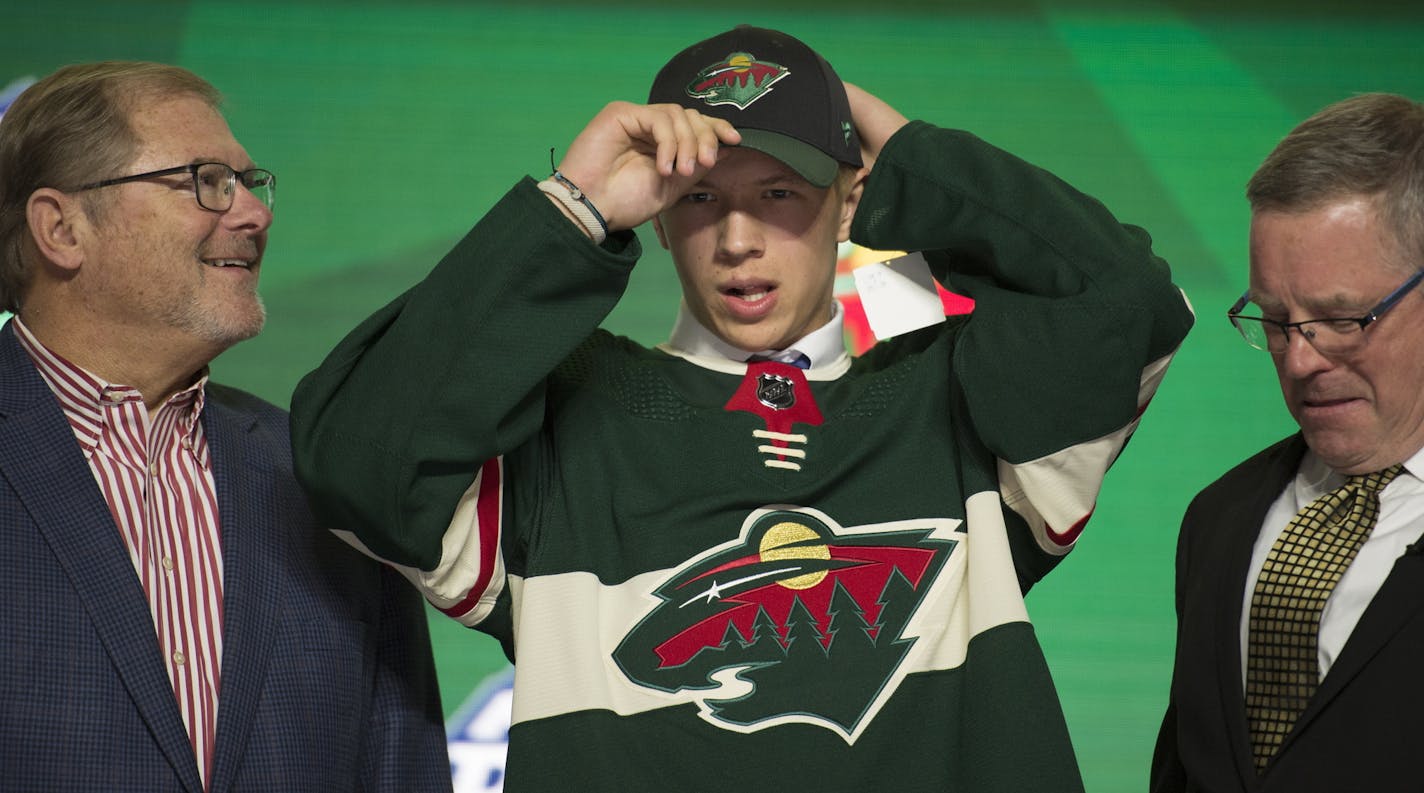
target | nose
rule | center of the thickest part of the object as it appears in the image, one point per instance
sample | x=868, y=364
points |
x=247, y=212
x=740, y=236
x=1300, y=358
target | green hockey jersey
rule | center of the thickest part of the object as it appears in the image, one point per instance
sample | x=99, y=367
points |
x=713, y=574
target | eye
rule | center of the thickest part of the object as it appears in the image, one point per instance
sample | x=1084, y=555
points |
x=697, y=198
x=211, y=177
x=1341, y=326
x=779, y=193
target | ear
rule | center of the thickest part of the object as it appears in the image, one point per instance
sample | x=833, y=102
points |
x=53, y=218
x=658, y=229
x=850, y=202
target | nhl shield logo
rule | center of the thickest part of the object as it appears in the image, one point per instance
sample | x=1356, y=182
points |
x=775, y=391
x=739, y=80
x=756, y=630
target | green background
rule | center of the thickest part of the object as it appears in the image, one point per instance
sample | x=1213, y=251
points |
x=393, y=125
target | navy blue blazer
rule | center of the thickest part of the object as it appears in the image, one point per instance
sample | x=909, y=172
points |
x=1365, y=723
x=327, y=678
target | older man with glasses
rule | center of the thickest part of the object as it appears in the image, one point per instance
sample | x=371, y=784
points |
x=1300, y=573
x=176, y=619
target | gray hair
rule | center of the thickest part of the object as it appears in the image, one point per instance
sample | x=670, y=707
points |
x=1370, y=145
x=68, y=129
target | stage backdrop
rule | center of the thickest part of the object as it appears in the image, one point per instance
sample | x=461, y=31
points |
x=394, y=125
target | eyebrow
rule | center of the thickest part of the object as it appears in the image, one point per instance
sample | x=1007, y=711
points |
x=1337, y=303
x=211, y=158
x=782, y=177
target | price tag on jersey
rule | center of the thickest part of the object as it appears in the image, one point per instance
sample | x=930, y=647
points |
x=898, y=295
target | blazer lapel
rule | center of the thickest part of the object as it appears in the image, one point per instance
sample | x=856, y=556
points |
x=1260, y=488
x=253, y=547
x=38, y=450
x=1399, y=599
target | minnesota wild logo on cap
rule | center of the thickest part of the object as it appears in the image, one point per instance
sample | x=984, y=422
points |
x=739, y=79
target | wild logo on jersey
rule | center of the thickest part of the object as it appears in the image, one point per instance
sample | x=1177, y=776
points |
x=797, y=621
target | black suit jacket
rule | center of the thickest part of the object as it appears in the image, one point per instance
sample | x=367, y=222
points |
x=327, y=678
x=1363, y=731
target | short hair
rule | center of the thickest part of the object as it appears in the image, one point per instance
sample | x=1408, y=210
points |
x=1370, y=145
x=845, y=177
x=70, y=128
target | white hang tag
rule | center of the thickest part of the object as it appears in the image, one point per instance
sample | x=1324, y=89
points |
x=899, y=295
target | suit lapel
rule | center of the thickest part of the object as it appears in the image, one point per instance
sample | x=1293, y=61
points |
x=1237, y=558
x=1260, y=488
x=1399, y=599
x=38, y=450
x=253, y=551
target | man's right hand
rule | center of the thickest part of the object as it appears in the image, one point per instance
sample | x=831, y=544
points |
x=634, y=161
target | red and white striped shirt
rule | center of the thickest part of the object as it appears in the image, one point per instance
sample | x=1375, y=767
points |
x=156, y=475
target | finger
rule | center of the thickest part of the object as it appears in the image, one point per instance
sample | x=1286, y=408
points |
x=688, y=126
x=712, y=135
x=654, y=128
x=671, y=136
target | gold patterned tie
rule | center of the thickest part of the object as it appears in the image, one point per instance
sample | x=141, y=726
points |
x=1301, y=570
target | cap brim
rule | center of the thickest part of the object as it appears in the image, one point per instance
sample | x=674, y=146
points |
x=814, y=165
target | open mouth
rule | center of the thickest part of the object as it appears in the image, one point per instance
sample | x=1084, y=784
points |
x=749, y=294
x=243, y=263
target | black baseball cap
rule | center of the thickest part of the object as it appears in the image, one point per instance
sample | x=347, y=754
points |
x=783, y=97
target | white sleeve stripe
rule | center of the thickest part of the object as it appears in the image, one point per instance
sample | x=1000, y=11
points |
x=470, y=575
x=470, y=557
x=1056, y=494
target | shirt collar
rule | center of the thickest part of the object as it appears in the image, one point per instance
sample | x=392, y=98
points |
x=83, y=395
x=824, y=345
x=1315, y=478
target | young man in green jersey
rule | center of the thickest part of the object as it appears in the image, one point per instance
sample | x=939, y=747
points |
x=743, y=558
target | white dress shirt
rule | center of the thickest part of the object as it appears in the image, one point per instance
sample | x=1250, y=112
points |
x=1401, y=522
x=823, y=346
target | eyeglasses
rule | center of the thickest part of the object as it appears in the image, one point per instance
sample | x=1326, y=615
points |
x=214, y=183
x=1329, y=336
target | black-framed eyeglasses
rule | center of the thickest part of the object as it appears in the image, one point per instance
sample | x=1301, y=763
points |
x=1330, y=336
x=214, y=183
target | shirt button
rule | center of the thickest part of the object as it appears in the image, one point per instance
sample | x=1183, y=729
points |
x=168, y=563
x=179, y=658
x=153, y=468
